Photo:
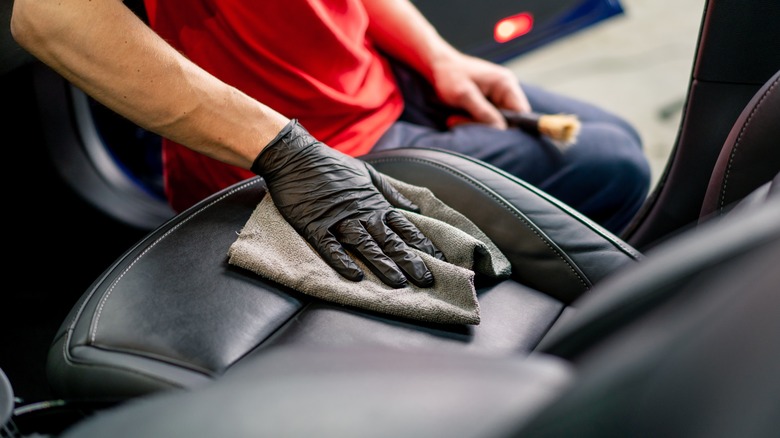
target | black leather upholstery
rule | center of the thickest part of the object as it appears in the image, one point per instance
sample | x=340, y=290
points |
x=553, y=248
x=627, y=296
x=172, y=313
x=348, y=392
x=699, y=360
x=751, y=154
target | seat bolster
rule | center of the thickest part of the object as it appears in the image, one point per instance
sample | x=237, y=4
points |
x=751, y=156
x=552, y=247
x=171, y=311
x=759, y=196
x=701, y=363
x=628, y=295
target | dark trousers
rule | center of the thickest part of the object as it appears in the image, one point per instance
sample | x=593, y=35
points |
x=605, y=175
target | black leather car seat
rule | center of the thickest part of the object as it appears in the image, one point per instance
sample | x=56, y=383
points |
x=750, y=156
x=695, y=355
x=171, y=313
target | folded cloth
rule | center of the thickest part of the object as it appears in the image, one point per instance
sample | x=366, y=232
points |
x=268, y=246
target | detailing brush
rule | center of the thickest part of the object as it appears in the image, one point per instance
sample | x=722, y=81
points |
x=560, y=129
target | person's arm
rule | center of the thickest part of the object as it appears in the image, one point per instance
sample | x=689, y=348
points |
x=105, y=50
x=462, y=81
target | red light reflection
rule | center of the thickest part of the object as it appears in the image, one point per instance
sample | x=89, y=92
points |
x=512, y=27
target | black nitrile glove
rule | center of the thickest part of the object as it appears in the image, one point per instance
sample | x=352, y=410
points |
x=332, y=199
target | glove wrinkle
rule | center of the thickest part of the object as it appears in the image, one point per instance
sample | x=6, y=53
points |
x=270, y=247
x=335, y=255
x=320, y=191
x=393, y=196
x=393, y=245
x=410, y=234
x=354, y=235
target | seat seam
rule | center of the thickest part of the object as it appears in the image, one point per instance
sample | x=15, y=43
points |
x=580, y=276
x=574, y=214
x=109, y=291
x=68, y=358
x=737, y=144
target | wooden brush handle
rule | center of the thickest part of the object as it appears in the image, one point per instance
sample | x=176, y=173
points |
x=526, y=121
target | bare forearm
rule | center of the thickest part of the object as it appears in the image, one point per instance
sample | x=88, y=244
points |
x=104, y=49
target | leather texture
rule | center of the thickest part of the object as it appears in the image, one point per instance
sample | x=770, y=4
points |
x=348, y=392
x=552, y=248
x=700, y=363
x=172, y=313
x=629, y=295
x=751, y=156
x=669, y=371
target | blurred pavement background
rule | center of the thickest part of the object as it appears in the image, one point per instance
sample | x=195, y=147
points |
x=637, y=65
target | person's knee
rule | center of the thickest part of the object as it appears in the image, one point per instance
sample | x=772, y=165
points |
x=625, y=190
x=629, y=173
x=608, y=176
x=617, y=160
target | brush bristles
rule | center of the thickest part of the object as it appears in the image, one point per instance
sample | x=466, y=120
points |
x=561, y=128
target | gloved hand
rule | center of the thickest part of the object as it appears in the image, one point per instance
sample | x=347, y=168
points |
x=332, y=199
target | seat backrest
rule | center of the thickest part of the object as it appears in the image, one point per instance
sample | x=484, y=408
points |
x=626, y=297
x=702, y=363
x=747, y=173
x=751, y=154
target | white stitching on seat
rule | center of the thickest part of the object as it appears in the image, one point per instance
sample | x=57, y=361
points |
x=502, y=202
x=93, y=331
x=737, y=144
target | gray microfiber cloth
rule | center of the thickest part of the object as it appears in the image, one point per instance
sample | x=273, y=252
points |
x=268, y=246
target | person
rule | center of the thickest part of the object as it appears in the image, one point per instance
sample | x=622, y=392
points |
x=230, y=86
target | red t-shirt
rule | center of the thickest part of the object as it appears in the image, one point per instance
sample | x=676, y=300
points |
x=307, y=59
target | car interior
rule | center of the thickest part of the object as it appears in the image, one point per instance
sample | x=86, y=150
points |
x=668, y=329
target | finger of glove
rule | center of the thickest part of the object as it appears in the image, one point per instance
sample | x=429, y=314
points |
x=392, y=195
x=333, y=253
x=352, y=234
x=411, y=234
x=404, y=257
